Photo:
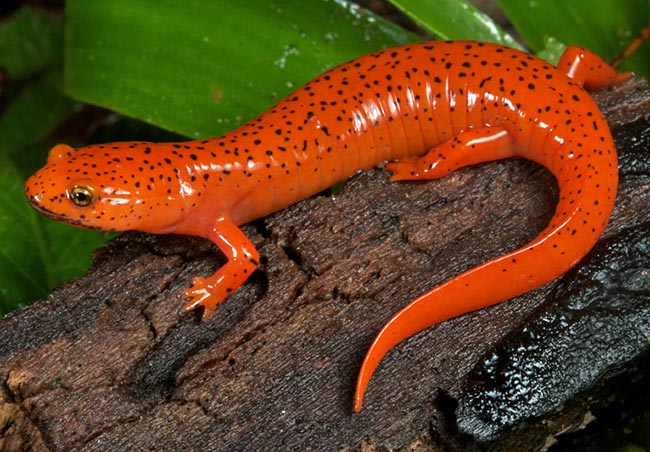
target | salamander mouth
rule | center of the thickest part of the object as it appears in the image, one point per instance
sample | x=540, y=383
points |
x=57, y=216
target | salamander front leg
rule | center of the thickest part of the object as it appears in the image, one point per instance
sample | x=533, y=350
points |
x=473, y=146
x=242, y=261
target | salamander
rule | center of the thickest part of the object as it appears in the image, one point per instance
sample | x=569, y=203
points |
x=427, y=109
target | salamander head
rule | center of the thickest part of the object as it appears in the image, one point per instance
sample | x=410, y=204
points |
x=108, y=187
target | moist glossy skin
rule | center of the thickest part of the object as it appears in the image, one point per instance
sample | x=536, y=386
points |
x=430, y=108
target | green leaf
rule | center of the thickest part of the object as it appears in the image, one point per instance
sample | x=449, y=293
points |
x=201, y=68
x=552, y=51
x=29, y=41
x=454, y=19
x=605, y=29
x=36, y=111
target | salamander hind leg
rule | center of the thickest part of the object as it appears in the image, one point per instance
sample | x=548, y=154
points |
x=473, y=146
x=242, y=261
x=588, y=69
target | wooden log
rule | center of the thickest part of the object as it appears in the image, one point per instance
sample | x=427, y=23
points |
x=108, y=361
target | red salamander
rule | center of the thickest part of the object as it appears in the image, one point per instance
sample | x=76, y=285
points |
x=427, y=108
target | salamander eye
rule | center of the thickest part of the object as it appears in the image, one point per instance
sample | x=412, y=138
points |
x=81, y=196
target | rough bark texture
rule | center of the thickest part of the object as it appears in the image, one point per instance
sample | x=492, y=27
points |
x=109, y=363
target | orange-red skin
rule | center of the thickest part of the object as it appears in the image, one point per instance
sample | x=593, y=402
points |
x=465, y=102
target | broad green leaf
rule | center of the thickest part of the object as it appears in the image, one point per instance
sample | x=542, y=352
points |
x=454, y=19
x=38, y=109
x=201, y=68
x=605, y=27
x=552, y=51
x=30, y=40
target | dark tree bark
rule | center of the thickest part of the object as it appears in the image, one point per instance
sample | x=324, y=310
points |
x=108, y=361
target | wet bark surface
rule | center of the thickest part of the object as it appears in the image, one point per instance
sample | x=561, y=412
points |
x=108, y=361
